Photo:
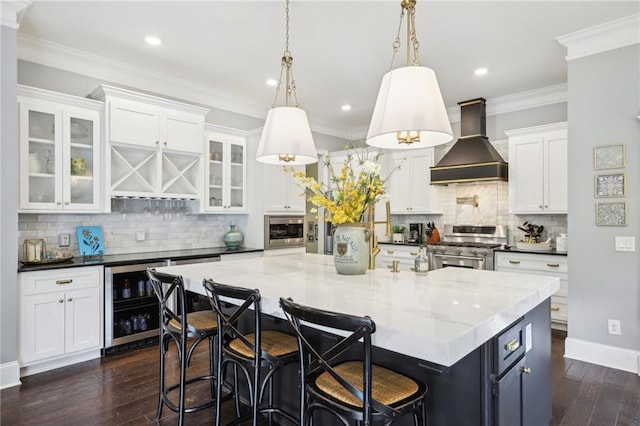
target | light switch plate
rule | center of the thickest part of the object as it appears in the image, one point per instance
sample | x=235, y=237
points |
x=626, y=244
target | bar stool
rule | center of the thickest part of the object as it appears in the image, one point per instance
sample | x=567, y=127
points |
x=200, y=325
x=351, y=390
x=251, y=351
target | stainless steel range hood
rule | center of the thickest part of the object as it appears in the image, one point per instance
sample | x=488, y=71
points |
x=472, y=158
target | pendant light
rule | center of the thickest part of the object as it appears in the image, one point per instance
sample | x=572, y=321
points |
x=409, y=112
x=286, y=137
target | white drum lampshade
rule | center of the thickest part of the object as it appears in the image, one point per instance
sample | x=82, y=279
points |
x=286, y=138
x=410, y=101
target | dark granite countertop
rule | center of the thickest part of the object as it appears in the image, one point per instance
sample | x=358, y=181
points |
x=134, y=258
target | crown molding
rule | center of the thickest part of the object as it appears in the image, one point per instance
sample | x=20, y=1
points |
x=11, y=12
x=602, y=38
x=33, y=49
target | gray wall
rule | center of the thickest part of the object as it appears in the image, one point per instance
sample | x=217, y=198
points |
x=9, y=200
x=604, y=100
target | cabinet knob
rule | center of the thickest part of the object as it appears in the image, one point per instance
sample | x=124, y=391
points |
x=540, y=206
x=59, y=203
x=157, y=142
x=60, y=300
x=66, y=203
x=69, y=299
x=525, y=370
x=165, y=144
x=546, y=206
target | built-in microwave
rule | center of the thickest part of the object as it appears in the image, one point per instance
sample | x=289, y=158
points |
x=283, y=232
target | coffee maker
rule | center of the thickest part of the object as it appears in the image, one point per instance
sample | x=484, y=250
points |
x=415, y=233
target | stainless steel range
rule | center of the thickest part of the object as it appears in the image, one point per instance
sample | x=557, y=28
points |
x=467, y=246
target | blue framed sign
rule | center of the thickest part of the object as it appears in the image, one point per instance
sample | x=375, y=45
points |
x=90, y=240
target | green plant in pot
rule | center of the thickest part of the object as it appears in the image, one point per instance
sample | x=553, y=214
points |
x=398, y=233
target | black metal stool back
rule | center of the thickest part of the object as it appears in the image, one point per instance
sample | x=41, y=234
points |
x=178, y=326
x=250, y=349
x=346, y=388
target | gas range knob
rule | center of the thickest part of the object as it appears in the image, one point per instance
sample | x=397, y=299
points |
x=458, y=251
x=474, y=252
x=484, y=253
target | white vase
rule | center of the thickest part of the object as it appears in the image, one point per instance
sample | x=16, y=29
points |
x=351, y=249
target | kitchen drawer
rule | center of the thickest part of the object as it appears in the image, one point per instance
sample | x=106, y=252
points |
x=559, y=309
x=38, y=282
x=532, y=263
x=564, y=288
x=509, y=347
x=399, y=252
x=386, y=262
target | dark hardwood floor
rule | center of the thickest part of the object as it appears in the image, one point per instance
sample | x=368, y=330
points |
x=123, y=389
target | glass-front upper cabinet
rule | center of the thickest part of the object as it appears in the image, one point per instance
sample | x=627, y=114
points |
x=226, y=172
x=59, y=152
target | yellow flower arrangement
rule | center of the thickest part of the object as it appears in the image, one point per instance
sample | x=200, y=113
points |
x=350, y=194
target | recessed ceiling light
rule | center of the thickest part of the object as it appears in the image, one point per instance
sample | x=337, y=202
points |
x=481, y=71
x=153, y=40
x=272, y=82
x=346, y=107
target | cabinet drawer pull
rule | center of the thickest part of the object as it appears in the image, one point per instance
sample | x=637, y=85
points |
x=67, y=281
x=555, y=308
x=390, y=251
x=515, y=262
x=525, y=370
x=512, y=345
x=412, y=253
x=553, y=265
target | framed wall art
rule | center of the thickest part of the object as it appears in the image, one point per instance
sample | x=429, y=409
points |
x=90, y=241
x=611, y=185
x=609, y=157
x=611, y=214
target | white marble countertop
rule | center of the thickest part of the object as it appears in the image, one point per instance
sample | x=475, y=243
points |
x=439, y=317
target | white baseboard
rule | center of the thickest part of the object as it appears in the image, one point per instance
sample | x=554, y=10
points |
x=605, y=355
x=63, y=361
x=9, y=374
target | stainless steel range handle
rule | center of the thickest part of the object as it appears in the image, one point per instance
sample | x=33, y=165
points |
x=446, y=256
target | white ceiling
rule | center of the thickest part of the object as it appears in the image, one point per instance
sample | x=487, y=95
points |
x=228, y=49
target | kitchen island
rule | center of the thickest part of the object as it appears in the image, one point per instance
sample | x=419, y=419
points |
x=460, y=331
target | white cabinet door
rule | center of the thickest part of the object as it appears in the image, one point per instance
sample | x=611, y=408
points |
x=134, y=123
x=183, y=132
x=226, y=173
x=555, y=174
x=60, y=154
x=410, y=185
x=526, y=175
x=82, y=319
x=538, y=169
x=282, y=194
x=42, y=326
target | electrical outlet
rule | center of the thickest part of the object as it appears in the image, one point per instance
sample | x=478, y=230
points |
x=614, y=327
x=625, y=244
x=64, y=240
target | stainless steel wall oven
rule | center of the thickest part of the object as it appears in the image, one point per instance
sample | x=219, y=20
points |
x=283, y=232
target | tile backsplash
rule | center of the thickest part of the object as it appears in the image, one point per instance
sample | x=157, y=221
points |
x=162, y=231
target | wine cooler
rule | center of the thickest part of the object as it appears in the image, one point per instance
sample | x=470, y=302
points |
x=131, y=308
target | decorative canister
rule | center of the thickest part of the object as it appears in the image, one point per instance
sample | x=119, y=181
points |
x=34, y=250
x=233, y=238
x=351, y=249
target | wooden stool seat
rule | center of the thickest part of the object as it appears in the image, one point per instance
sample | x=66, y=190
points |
x=274, y=342
x=198, y=323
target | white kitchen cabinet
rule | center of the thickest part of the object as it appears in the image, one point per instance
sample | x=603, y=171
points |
x=538, y=169
x=60, y=152
x=61, y=316
x=226, y=172
x=155, y=145
x=404, y=254
x=281, y=193
x=410, y=186
x=541, y=264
